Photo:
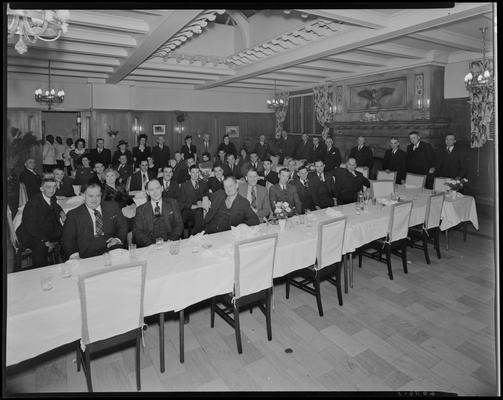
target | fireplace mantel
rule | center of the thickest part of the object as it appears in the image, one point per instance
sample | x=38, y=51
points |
x=427, y=128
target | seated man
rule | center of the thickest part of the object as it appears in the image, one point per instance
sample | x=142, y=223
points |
x=64, y=184
x=184, y=174
x=157, y=218
x=231, y=168
x=323, y=187
x=170, y=188
x=40, y=228
x=291, y=169
x=140, y=178
x=124, y=169
x=284, y=191
x=228, y=208
x=30, y=178
x=206, y=161
x=256, y=163
x=304, y=189
x=332, y=155
x=216, y=182
x=256, y=195
x=84, y=173
x=220, y=158
x=99, y=170
x=269, y=175
x=95, y=227
x=191, y=201
x=348, y=182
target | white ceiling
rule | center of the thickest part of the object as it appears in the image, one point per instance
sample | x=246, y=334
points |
x=252, y=49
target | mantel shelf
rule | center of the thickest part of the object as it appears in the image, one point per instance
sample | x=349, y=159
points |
x=404, y=124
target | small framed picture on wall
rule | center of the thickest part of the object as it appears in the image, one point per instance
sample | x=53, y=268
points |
x=232, y=131
x=159, y=129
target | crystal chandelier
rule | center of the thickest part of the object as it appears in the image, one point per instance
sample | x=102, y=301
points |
x=276, y=102
x=30, y=25
x=50, y=96
x=481, y=71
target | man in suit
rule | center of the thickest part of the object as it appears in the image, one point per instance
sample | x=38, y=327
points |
x=95, y=227
x=30, y=178
x=48, y=154
x=304, y=190
x=322, y=186
x=256, y=163
x=284, y=191
x=99, y=173
x=140, y=178
x=348, y=182
x=362, y=154
x=287, y=146
x=183, y=173
x=269, y=175
x=394, y=160
x=191, y=201
x=100, y=154
x=216, y=182
x=230, y=168
x=206, y=147
x=122, y=150
x=451, y=161
x=262, y=148
x=40, y=228
x=160, y=153
x=292, y=170
x=256, y=195
x=228, y=208
x=84, y=173
x=318, y=150
x=420, y=158
x=177, y=165
x=124, y=169
x=170, y=188
x=304, y=148
x=64, y=184
x=332, y=155
x=157, y=218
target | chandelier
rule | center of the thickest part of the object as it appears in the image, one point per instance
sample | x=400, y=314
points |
x=30, y=25
x=49, y=97
x=276, y=102
x=481, y=71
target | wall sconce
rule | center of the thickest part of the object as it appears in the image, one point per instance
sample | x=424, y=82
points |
x=179, y=128
x=137, y=128
x=423, y=108
x=79, y=119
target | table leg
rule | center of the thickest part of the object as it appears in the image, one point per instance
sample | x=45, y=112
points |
x=447, y=239
x=345, y=273
x=351, y=270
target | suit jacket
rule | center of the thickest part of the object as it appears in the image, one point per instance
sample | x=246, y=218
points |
x=287, y=146
x=272, y=177
x=119, y=195
x=305, y=194
x=187, y=153
x=214, y=184
x=304, y=150
x=322, y=192
x=364, y=157
x=143, y=231
x=259, y=167
x=232, y=171
x=347, y=185
x=136, y=180
x=124, y=172
x=40, y=222
x=105, y=157
x=32, y=181
x=451, y=165
x=262, y=150
x=263, y=204
x=65, y=188
x=291, y=196
x=202, y=149
x=332, y=159
x=160, y=156
x=83, y=175
x=419, y=161
x=78, y=231
x=395, y=162
x=177, y=170
x=318, y=153
x=140, y=155
x=173, y=191
x=240, y=212
x=117, y=154
x=182, y=174
x=228, y=148
x=190, y=196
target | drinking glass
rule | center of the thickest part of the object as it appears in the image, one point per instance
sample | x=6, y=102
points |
x=132, y=251
x=46, y=282
x=107, y=259
x=302, y=219
x=66, y=270
x=309, y=220
x=159, y=243
x=174, y=247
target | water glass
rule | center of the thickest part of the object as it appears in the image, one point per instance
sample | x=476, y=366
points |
x=107, y=259
x=302, y=219
x=159, y=243
x=46, y=282
x=66, y=270
x=174, y=247
x=309, y=220
x=132, y=251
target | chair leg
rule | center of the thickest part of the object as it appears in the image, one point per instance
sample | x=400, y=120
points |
x=360, y=259
x=464, y=227
x=237, y=329
x=338, y=284
x=287, y=287
x=212, y=322
x=78, y=356
x=425, y=248
x=181, y=326
x=161, y=341
x=268, y=314
x=437, y=241
x=318, y=294
x=404, y=257
x=447, y=239
x=388, y=261
x=138, y=345
x=87, y=371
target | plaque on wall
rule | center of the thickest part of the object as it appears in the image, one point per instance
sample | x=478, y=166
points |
x=375, y=96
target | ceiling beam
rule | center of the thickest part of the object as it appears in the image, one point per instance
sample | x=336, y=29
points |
x=98, y=37
x=100, y=20
x=55, y=72
x=322, y=65
x=304, y=72
x=268, y=82
x=280, y=76
x=23, y=62
x=403, y=23
x=170, y=74
x=81, y=48
x=365, y=18
x=447, y=38
x=165, y=80
x=165, y=66
x=357, y=59
x=39, y=54
x=393, y=50
x=168, y=27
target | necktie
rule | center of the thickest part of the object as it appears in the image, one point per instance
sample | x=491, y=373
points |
x=196, y=185
x=120, y=166
x=283, y=188
x=99, y=223
x=359, y=148
x=306, y=183
x=321, y=177
x=57, y=185
x=206, y=146
x=449, y=149
x=145, y=180
x=415, y=147
x=253, y=198
x=157, y=210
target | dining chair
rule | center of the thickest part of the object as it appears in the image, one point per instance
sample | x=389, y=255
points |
x=364, y=171
x=111, y=302
x=253, y=271
x=415, y=180
x=429, y=230
x=395, y=241
x=328, y=262
x=382, y=188
x=439, y=184
x=386, y=176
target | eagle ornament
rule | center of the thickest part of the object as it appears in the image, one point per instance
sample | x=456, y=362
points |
x=374, y=95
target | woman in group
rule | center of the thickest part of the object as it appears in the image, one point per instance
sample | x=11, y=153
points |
x=77, y=153
x=67, y=159
x=113, y=191
x=188, y=149
x=243, y=161
x=142, y=151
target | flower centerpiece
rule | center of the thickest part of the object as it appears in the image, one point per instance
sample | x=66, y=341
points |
x=281, y=210
x=112, y=133
x=456, y=184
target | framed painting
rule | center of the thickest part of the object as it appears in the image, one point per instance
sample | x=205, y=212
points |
x=232, y=131
x=159, y=129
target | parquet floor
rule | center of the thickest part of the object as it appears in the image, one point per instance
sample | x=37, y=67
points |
x=430, y=330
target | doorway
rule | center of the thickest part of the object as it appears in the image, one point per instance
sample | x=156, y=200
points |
x=60, y=123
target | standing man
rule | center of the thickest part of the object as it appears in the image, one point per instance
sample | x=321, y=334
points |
x=95, y=227
x=48, y=154
x=256, y=195
x=303, y=185
x=451, y=162
x=206, y=147
x=284, y=191
x=262, y=148
x=170, y=188
x=420, y=158
x=160, y=153
x=60, y=149
x=348, y=182
x=292, y=171
x=30, y=178
x=318, y=150
x=191, y=200
x=100, y=154
x=140, y=178
x=394, y=160
x=287, y=146
x=323, y=187
x=332, y=156
x=362, y=154
x=304, y=148
x=158, y=218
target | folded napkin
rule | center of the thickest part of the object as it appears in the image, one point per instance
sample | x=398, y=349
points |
x=411, y=186
x=243, y=231
x=334, y=213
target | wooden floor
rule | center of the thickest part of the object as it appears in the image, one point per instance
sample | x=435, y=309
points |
x=430, y=330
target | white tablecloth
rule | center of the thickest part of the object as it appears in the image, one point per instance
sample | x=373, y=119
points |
x=38, y=321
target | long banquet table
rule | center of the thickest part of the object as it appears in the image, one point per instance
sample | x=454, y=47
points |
x=38, y=321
